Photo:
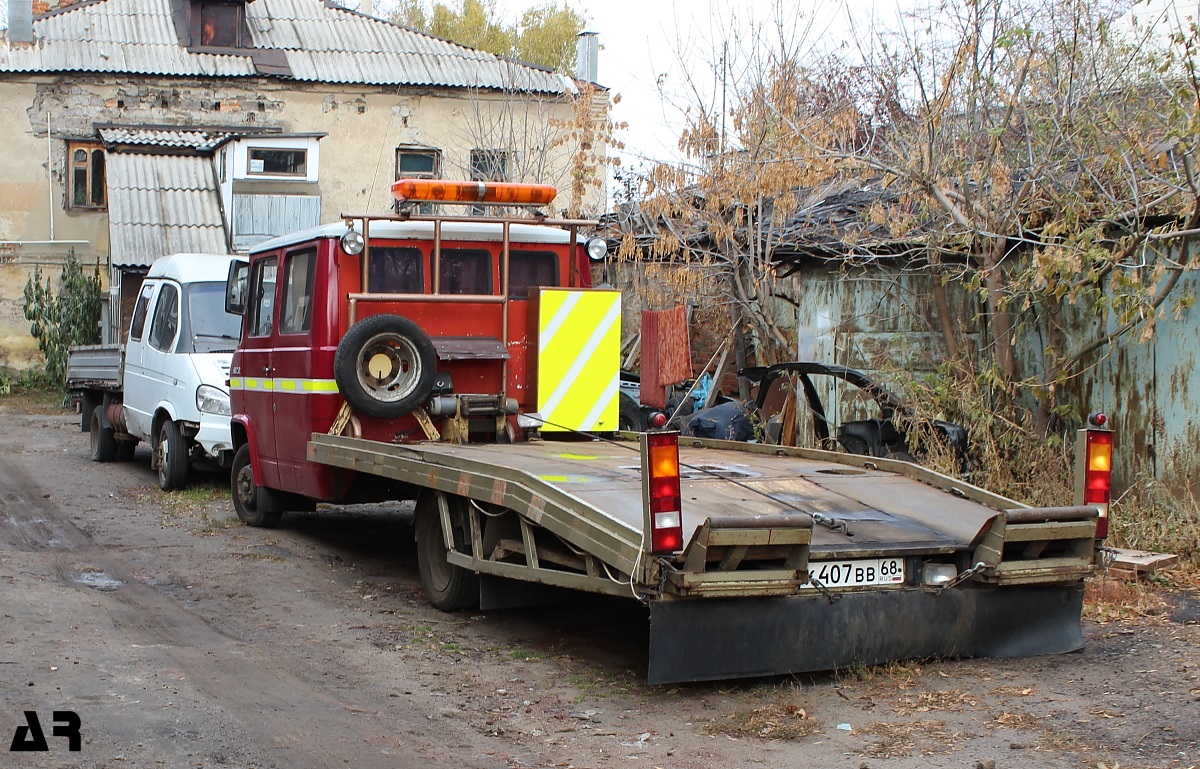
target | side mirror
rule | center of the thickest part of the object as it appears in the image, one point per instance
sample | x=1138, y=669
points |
x=235, y=287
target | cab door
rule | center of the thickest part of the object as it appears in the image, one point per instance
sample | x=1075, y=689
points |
x=257, y=369
x=136, y=385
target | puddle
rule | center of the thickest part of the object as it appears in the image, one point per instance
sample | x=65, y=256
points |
x=98, y=580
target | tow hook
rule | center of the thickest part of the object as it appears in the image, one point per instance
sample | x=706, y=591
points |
x=963, y=577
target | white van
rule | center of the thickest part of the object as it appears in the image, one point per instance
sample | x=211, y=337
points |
x=171, y=388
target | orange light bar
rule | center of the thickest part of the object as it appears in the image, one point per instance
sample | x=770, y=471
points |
x=504, y=193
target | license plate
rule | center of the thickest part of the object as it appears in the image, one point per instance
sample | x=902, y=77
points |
x=868, y=572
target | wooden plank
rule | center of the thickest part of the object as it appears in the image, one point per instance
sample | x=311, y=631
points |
x=1133, y=563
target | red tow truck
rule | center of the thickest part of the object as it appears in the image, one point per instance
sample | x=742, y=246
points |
x=465, y=362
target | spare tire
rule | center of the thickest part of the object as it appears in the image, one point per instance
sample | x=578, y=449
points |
x=385, y=366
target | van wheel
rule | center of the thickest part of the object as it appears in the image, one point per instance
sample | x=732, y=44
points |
x=172, y=457
x=385, y=366
x=255, y=505
x=447, y=586
x=104, y=445
x=630, y=416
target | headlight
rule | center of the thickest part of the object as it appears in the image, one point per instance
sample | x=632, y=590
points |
x=938, y=574
x=211, y=400
x=597, y=249
x=353, y=243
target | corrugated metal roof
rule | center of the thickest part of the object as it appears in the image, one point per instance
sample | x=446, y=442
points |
x=200, y=140
x=162, y=204
x=321, y=44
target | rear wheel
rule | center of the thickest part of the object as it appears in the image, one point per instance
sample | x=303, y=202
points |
x=172, y=456
x=630, y=416
x=255, y=505
x=104, y=445
x=447, y=586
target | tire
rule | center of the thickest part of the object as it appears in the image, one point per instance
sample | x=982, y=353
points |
x=630, y=417
x=255, y=505
x=400, y=353
x=448, y=587
x=104, y=445
x=171, y=455
x=126, y=450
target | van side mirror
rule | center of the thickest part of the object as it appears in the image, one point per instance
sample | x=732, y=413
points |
x=235, y=287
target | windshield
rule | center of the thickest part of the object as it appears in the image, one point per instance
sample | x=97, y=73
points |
x=211, y=328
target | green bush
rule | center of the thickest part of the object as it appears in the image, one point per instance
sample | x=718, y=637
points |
x=58, y=321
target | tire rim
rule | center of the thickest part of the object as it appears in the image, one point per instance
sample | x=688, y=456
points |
x=389, y=367
x=163, y=456
x=245, y=487
x=440, y=570
x=95, y=436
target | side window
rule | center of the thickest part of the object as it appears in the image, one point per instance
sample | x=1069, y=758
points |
x=395, y=271
x=528, y=269
x=297, y=292
x=262, y=296
x=465, y=271
x=166, y=318
x=139, y=312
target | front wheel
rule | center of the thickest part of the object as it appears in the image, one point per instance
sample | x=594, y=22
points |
x=172, y=457
x=255, y=505
x=447, y=586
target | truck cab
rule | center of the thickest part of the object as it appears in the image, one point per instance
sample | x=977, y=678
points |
x=399, y=328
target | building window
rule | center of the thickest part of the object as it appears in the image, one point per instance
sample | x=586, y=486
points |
x=85, y=175
x=220, y=25
x=489, y=165
x=418, y=163
x=276, y=162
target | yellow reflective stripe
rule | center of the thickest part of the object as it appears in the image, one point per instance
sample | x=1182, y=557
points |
x=579, y=348
x=284, y=385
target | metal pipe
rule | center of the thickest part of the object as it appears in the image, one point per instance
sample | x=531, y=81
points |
x=454, y=298
x=504, y=266
x=50, y=172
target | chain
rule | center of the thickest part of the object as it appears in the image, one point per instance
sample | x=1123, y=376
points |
x=823, y=590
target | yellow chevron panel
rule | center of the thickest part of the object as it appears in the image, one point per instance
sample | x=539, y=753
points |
x=579, y=359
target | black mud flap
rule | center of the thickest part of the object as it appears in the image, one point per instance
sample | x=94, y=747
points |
x=705, y=640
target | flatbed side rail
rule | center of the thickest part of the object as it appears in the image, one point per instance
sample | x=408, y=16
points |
x=576, y=522
x=909, y=470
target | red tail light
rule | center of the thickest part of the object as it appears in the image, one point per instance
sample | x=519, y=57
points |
x=660, y=476
x=658, y=419
x=1097, y=480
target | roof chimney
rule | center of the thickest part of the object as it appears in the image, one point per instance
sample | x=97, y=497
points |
x=587, y=56
x=20, y=21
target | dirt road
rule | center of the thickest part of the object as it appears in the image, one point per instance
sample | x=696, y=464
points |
x=183, y=639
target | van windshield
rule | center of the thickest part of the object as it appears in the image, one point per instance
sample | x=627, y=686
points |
x=210, y=328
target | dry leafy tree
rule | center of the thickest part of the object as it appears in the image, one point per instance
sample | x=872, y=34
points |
x=1034, y=151
x=543, y=35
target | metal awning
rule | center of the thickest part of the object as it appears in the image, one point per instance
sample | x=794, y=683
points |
x=162, y=204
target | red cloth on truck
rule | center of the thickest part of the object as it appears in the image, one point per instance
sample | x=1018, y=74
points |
x=666, y=353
